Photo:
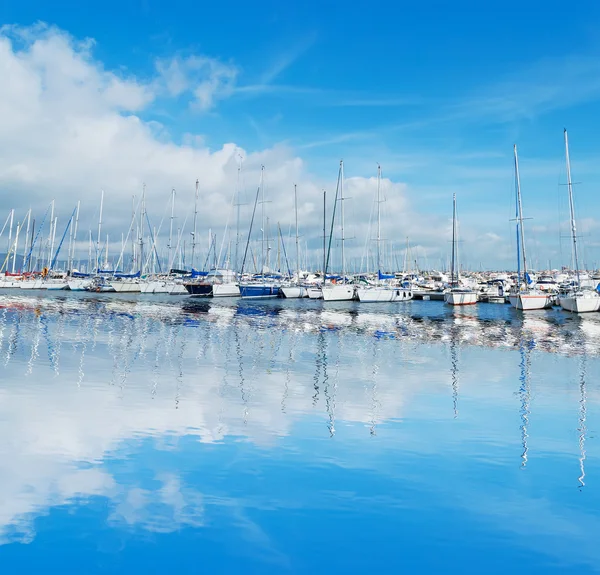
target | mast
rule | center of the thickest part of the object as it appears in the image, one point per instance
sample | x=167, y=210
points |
x=171, y=229
x=16, y=246
x=297, y=246
x=26, y=239
x=141, y=238
x=262, y=225
x=342, y=215
x=52, y=240
x=99, y=232
x=378, y=218
x=324, y=233
x=237, y=226
x=72, y=256
x=133, y=250
x=453, y=262
x=572, y=209
x=12, y=217
x=195, y=222
x=520, y=231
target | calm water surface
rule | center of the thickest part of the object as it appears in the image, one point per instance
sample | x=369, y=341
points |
x=168, y=435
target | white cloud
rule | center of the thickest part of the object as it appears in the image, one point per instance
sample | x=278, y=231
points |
x=207, y=79
x=69, y=128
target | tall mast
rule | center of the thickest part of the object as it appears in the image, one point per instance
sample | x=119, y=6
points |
x=378, y=218
x=14, y=262
x=453, y=261
x=262, y=225
x=99, y=232
x=53, y=238
x=50, y=237
x=521, y=237
x=25, y=251
x=195, y=222
x=297, y=247
x=324, y=233
x=342, y=214
x=572, y=209
x=10, y=229
x=141, y=237
x=171, y=229
x=72, y=256
x=237, y=226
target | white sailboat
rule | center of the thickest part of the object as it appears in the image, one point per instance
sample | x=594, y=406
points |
x=522, y=296
x=341, y=291
x=457, y=295
x=579, y=299
x=383, y=291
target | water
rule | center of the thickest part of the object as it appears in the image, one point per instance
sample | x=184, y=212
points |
x=167, y=435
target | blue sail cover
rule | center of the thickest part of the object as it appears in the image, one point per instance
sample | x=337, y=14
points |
x=197, y=274
x=385, y=276
x=528, y=279
x=80, y=275
x=120, y=275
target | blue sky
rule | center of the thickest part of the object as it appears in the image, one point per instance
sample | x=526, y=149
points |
x=436, y=92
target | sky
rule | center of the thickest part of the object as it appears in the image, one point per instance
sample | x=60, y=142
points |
x=117, y=95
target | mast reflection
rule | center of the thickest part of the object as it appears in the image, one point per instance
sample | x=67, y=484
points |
x=525, y=396
x=582, y=421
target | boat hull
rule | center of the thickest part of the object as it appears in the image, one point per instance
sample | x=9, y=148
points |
x=338, y=292
x=226, y=290
x=294, y=292
x=460, y=298
x=383, y=294
x=79, y=285
x=314, y=293
x=57, y=286
x=212, y=290
x=126, y=287
x=527, y=302
x=580, y=304
x=259, y=290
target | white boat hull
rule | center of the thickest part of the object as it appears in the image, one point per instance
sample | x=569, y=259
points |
x=176, y=289
x=580, y=303
x=460, y=298
x=79, y=285
x=225, y=290
x=294, y=292
x=126, y=287
x=57, y=286
x=314, y=293
x=383, y=294
x=338, y=292
x=527, y=302
x=32, y=284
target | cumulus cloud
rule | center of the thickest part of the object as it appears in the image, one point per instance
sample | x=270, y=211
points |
x=70, y=127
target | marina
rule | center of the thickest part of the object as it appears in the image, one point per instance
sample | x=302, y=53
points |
x=299, y=288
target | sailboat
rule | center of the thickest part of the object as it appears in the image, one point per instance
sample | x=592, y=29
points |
x=383, y=291
x=338, y=290
x=457, y=295
x=522, y=296
x=579, y=299
x=265, y=284
x=295, y=289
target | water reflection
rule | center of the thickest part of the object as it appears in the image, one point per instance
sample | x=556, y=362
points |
x=525, y=396
x=582, y=419
x=172, y=412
